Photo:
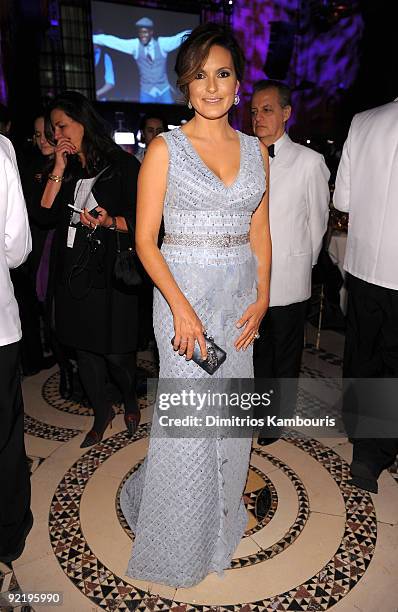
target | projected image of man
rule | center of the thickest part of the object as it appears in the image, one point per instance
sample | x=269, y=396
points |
x=150, y=53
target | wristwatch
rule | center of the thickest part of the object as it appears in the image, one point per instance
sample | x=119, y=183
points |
x=112, y=226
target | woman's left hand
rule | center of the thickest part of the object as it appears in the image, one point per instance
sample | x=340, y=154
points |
x=103, y=218
x=251, y=320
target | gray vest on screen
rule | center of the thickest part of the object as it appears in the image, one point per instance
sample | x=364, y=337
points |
x=152, y=74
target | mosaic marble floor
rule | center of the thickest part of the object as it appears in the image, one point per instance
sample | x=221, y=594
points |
x=313, y=542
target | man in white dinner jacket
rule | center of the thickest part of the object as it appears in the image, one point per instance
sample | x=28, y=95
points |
x=367, y=188
x=15, y=245
x=298, y=210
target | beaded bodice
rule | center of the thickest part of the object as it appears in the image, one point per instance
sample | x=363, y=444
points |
x=205, y=220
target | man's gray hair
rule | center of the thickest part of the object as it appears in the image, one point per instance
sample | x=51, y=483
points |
x=284, y=92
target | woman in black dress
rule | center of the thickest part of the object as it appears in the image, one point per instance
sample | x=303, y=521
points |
x=93, y=313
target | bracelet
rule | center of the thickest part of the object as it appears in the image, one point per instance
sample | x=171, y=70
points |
x=56, y=178
x=113, y=225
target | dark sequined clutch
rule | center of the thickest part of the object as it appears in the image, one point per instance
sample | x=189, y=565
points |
x=215, y=355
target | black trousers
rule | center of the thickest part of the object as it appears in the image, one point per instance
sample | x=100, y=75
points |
x=31, y=349
x=277, y=355
x=371, y=351
x=15, y=512
x=95, y=370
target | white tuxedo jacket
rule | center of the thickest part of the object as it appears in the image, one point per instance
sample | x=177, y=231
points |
x=15, y=240
x=298, y=210
x=367, y=188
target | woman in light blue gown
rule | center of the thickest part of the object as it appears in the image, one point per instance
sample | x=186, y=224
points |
x=185, y=504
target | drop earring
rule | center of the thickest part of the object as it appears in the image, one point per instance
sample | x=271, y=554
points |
x=189, y=105
x=236, y=99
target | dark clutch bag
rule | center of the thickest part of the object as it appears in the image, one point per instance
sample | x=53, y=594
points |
x=215, y=355
x=125, y=269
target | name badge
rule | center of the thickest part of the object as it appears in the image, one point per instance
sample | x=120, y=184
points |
x=71, y=237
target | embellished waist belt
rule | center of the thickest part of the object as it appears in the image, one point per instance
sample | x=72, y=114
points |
x=204, y=240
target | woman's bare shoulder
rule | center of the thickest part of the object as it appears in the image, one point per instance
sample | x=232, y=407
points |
x=157, y=152
x=158, y=144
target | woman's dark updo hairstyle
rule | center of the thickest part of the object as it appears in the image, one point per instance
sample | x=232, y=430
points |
x=45, y=162
x=195, y=49
x=97, y=145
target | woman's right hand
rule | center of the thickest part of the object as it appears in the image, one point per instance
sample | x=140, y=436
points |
x=188, y=329
x=62, y=150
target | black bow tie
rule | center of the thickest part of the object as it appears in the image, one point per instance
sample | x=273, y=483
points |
x=271, y=150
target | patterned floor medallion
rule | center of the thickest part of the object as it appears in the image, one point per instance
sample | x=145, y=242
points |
x=33, y=427
x=110, y=592
x=330, y=358
x=34, y=463
x=10, y=591
x=261, y=505
x=316, y=373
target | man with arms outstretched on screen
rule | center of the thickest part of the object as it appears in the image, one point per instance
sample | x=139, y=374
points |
x=150, y=53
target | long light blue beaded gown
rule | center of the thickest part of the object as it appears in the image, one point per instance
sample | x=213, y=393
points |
x=185, y=504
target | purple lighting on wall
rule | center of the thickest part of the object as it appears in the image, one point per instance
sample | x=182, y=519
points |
x=3, y=90
x=326, y=59
x=3, y=85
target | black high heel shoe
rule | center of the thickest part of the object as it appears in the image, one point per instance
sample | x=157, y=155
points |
x=132, y=420
x=66, y=383
x=93, y=436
